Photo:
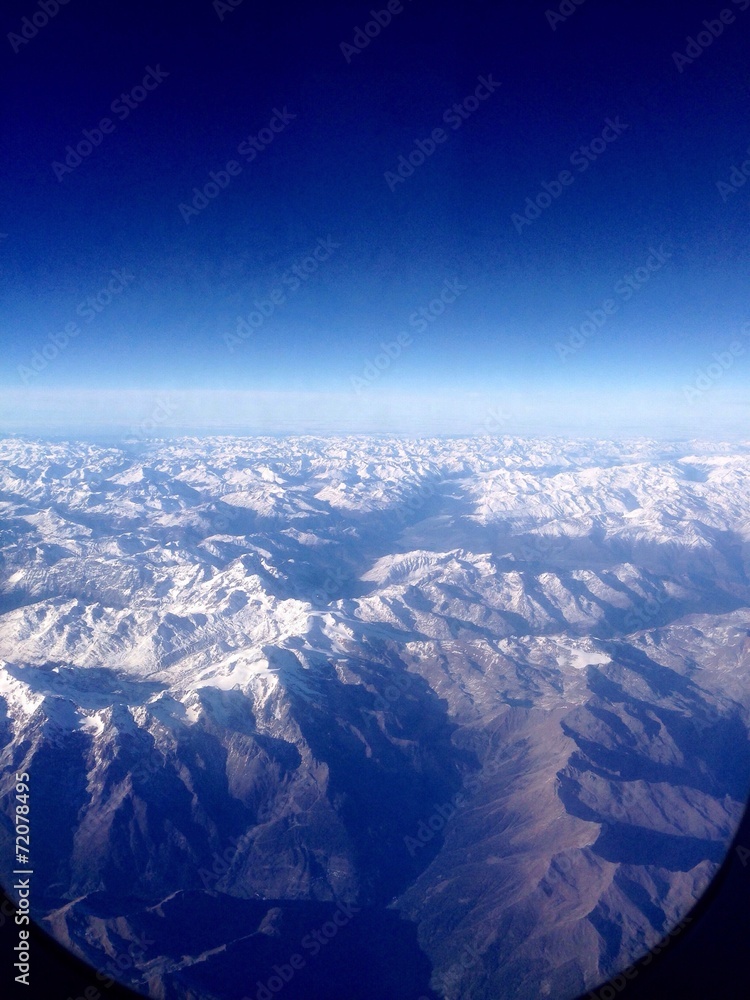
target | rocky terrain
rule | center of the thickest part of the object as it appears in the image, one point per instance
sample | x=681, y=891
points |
x=470, y=715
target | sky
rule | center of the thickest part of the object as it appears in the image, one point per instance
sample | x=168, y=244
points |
x=412, y=217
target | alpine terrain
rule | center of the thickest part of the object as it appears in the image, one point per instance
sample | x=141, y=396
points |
x=353, y=718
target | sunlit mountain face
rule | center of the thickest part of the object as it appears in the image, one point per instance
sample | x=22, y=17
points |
x=471, y=714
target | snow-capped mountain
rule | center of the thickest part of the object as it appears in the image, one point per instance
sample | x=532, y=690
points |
x=479, y=706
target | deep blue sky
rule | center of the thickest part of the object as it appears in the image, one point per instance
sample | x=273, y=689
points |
x=323, y=177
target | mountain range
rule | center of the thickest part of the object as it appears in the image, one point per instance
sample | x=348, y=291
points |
x=354, y=717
